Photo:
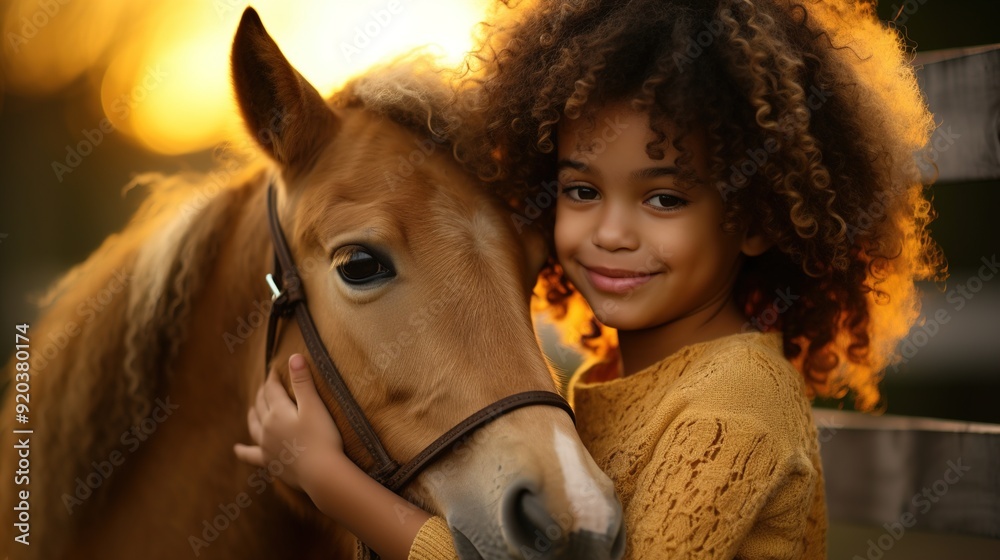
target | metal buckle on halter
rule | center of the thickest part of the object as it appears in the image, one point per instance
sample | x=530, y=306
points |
x=275, y=291
x=279, y=298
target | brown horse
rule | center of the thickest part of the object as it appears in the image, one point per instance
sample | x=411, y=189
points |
x=144, y=364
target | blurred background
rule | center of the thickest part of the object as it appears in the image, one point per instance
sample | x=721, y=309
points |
x=93, y=93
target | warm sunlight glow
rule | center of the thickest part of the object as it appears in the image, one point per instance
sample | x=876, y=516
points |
x=189, y=105
x=574, y=324
x=163, y=67
x=47, y=47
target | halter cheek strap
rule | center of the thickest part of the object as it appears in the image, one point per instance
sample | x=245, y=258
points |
x=289, y=298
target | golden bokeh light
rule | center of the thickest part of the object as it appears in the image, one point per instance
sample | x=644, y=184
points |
x=163, y=67
x=48, y=44
x=572, y=322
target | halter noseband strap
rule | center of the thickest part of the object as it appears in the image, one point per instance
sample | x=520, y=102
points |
x=289, y=299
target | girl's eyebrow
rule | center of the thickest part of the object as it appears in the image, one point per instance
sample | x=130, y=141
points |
x=572, y=164
x=654, y=172
x=639, y=174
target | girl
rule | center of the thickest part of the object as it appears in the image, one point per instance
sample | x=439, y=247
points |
x=738, y=197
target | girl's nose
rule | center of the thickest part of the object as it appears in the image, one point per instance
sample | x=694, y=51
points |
x=616, y=230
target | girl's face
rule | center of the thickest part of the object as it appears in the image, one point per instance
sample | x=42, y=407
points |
x=641, y=248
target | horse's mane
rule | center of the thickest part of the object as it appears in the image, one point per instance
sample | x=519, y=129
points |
x=110, y=330
x=103, y=346
x=163, y=253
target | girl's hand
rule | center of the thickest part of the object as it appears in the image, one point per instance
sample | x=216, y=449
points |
x=305, y=439
x=302, y=436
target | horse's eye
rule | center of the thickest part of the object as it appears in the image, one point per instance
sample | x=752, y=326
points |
x=360, y=266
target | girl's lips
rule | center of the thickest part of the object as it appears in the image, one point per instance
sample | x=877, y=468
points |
x=616, y=281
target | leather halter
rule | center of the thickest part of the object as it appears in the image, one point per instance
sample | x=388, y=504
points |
x=289, y=298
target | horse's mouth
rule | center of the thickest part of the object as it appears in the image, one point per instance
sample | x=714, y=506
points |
x=467, y=549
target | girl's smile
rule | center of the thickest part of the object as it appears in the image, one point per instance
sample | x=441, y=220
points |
x=616, y=281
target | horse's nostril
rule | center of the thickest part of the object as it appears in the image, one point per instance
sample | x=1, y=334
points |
x=532, y=530
x=533, y=515
x=527, y=523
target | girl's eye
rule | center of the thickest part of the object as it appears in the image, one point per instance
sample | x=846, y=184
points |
x=358, y=266
x=666, y=202
x=581, y=193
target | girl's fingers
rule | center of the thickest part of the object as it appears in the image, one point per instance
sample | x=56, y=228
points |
x=274, y=392
x=251, y=454
x=302, y=384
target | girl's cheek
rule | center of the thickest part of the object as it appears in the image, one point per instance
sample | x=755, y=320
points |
x=571, y=230
x=562, y=243
x=670, y=241
x=563, y=227
x=662, y=251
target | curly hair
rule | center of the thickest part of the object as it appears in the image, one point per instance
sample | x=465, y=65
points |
x=813, y=118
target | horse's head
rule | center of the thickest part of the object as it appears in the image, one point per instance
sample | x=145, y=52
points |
x=418, y=284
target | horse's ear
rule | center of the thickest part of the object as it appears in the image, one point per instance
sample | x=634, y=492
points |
x=285, y=114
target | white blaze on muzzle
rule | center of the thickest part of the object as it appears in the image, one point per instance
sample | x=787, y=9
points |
x=590, y=508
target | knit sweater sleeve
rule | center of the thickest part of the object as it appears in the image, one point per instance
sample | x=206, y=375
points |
x=433, y=541
x=720, y=487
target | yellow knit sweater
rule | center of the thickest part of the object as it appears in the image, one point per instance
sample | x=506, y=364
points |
x=713, y=452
